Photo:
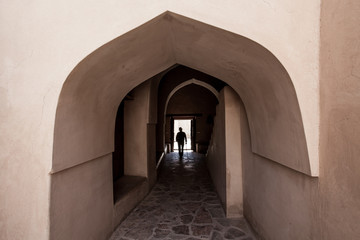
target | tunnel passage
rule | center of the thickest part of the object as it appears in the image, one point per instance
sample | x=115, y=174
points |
x=88, y=101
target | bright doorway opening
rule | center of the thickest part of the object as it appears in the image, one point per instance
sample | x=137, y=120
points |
x=185, y=124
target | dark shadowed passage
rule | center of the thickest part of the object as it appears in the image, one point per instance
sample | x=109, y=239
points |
x=182, y=205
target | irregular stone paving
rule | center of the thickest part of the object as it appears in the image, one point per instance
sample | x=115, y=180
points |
x=182, y=205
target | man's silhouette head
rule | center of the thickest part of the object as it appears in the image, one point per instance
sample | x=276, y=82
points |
x=180, y=129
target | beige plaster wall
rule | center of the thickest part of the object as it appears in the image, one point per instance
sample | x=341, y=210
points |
x=24, y=189
x=82, y=201
x=340, y=118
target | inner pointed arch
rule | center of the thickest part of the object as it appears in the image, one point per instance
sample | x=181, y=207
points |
x=188, y=82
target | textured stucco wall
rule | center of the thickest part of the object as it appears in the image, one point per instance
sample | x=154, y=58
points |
x=340, y=118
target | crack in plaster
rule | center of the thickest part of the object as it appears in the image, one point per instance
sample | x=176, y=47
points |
x=355, y=68
x=268, y=4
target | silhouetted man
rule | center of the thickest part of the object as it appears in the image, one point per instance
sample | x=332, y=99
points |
x=180, y=138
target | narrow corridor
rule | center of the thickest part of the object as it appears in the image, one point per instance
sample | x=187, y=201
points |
x=182, y=205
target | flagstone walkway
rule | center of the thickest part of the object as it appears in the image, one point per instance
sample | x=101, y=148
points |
x=182, y=205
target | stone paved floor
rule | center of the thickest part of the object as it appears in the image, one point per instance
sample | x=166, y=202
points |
x=182, y=205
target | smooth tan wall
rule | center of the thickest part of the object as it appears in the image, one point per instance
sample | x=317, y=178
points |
x=340, y=118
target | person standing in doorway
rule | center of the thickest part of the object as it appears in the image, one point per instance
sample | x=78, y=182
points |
x=181, y=138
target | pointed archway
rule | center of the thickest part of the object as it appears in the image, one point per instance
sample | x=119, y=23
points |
x=90, y=96
x=88, y=103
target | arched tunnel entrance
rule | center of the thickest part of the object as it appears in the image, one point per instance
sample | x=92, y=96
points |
x=214, y=110
x=81, y=185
